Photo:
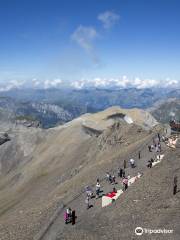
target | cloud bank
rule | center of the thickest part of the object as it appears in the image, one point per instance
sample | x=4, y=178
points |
x=12, y=85
x=97, y=82
x=125, y=82
x=55, y=83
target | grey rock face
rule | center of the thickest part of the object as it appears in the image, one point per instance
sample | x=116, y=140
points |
x=4, y=138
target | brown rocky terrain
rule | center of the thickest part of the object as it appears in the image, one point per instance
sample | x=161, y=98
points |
x=44, y=170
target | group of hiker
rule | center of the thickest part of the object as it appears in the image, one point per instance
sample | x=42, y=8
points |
x=110, y=179
x=121, y=174
x=149, y=165
x=70, y=216
x=156, y=146
x=90, y=194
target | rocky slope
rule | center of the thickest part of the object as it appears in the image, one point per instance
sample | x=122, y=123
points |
x=166, y=110
x=42, y=170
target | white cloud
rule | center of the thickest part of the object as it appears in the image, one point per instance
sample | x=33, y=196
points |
x=56, y=82
x=108, y=19
x=35, y=82
x=124, y=82
x=52, y=83
x=99, y=82
x=84, y=37
x=16, y=83
x=12, y=84
x=145, y=83
x=78, y=84
x=170, y=82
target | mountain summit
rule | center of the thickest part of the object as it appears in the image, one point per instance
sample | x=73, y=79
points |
x=41, y=171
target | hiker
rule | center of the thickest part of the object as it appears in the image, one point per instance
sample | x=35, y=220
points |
x=114, y=190
x=107, y=176
x=98, y=187
x=66, y=217
x=139, y=154
x=124, y=164
x=132, y=162
x=149, y=147
x=149, y=165
x=159, y=138
x=159, y=146
x=87, y=202
x=73, y=217
x=120, y=173
x=123, y=173
x=125, y=184
x=69, y=212
x=152, y=160
x=175, y=185
x=113, y=179
x=110, y=178
x=89, y=191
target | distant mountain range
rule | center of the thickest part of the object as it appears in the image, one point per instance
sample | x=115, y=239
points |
x=32, y=113
x=52, y=107
x=166, y=110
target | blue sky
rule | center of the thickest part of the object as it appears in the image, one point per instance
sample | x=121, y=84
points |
x=57, y=40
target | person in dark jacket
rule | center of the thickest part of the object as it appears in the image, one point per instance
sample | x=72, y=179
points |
x=124, y=164
x=73, y=217
x=149, y=147
x=120, y=173
x=175, y=185
x=149, y=165
x=123, y=173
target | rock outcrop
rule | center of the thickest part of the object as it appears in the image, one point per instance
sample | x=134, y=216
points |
x=4, y=138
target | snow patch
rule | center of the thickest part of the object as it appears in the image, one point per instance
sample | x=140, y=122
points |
x=128, y=119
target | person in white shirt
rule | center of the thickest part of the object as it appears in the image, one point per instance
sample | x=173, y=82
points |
x=132, y=162
x=98, y=187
